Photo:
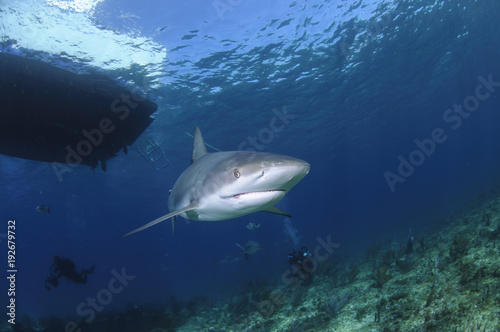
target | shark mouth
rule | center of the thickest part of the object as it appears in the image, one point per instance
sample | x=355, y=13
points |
x=250, y=193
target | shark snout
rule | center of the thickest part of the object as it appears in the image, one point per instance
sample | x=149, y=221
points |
x=299, y=171
x=298, y=167
x=285, y=176
x=303, y=167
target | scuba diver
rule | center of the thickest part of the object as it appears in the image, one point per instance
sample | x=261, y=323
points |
x=64, y=267
x=302, y=264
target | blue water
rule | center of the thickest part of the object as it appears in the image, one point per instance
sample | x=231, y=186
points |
x=361, y=81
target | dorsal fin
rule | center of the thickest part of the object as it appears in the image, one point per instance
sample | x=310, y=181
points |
x=199, y=148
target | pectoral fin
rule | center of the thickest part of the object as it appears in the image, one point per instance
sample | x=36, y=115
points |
x=190, y=207
x=275, y=210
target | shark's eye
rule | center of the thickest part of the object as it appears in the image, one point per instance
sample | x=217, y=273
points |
x=236, y=173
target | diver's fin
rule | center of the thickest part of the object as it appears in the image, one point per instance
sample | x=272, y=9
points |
x=199, y=148
x=240, y=246
x=275, y=210
x=191, y=206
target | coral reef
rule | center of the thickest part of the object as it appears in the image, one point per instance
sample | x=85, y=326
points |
x=450, y=282
x=380, y=275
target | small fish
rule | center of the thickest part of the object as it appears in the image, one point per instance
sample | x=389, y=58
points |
x=228, y=260
x=166, y=268
x=253, y=227
x=43, y=209
x=250, y=248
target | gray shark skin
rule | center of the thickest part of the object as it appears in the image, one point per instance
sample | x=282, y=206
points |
x=226, y=185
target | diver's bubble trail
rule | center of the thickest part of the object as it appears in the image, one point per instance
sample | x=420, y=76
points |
x=290, y=231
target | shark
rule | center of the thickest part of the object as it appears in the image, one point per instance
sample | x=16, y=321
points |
x=250, y=248
x=229, y=184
